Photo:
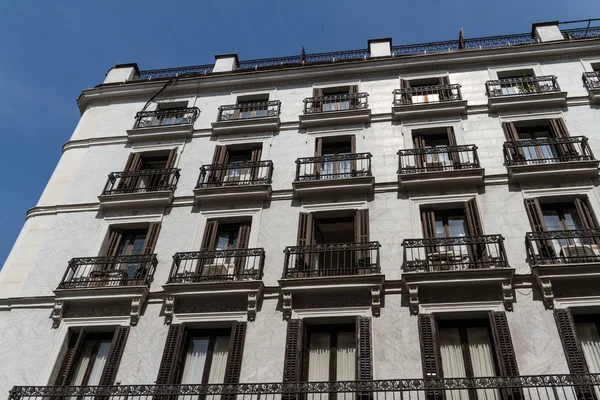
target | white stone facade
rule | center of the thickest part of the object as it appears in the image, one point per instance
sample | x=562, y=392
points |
x=68, y=221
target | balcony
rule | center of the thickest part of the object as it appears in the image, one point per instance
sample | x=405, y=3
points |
x=524, y=93
x=344, y=173
x=547, y=159
x=163, y=124
x=252, y=180
x=233, y=274
x=591, y=80
x=561, y=257
x=248, y=117
x=143, y=188
x=450, y=166
x=336, y=110
x=451, y=263
x=428, y=102
x=332, y=269
x=524, y=387
x=105, y=282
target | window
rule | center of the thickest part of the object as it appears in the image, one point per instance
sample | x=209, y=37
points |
x=237, y=165
x=172, y=113
x=437, y=139
x=252, y=106
x=587, y=327
x=335, y=151
x=515, y=84
x=335, y=98
x=146, y=171
x=200, y=356
x=426, y=91
x=92, y=357
x=220, y=236
x=331, y=353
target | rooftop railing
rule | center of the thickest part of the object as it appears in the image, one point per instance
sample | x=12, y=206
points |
x=437, y=159
x=259, y=109
x=522, y=86
x=166, y=117
x=142, y=181
x=547, y=151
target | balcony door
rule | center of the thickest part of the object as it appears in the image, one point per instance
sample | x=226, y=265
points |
x=335, y=152
x=425, y=91
x=255, y=107
x=220, y=242
x=432, y=149
x=171, y=114
x=335, y=98
x=513, y=83
x=233, y=167
x=92, y=358
x=146, y=172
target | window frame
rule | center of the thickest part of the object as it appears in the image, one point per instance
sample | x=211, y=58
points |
x=212, y=334
x=333, y=330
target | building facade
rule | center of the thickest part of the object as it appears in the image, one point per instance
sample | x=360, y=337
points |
x=405, y=219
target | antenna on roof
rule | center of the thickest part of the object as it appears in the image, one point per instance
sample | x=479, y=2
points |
x=461, y=38
x=303, y=55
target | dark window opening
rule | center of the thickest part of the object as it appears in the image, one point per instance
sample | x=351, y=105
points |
x=334, y=230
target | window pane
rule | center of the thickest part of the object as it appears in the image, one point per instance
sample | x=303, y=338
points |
x=219, y=360
x=457, y=226
x=453, y=363
x=572, y=220
x=552, y=220
x=318, y=358
x=482, y=359
x=590, y=344
x=83, y=360
x=346, y=358
x=98, y=362
x=439, y=228
x=195, y=360
x=223, y=241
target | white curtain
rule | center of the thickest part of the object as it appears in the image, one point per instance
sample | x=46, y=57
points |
x=453, y=363
x=346, y=361
x=98, y=362
x=590, y=344
x=219, y=360
x=318, y=362
x=480, y=350
x=83, y=360
x=195, y=359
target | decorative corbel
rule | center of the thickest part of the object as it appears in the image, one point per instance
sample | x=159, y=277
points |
x=136, y=308
x=413, y=298
x=547, y=293
x=252, y=304
x=376, y=301
x=508, y=297
x=169, y=309
x=287, y=305
x=57, y=313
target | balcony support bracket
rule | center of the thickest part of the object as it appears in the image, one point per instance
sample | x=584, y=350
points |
x=169, y=309
x=287, y=305
x=252, y=306
x=547, y=293
x=376, y=301
x=508, y=296
x=57, y=313
x=413, y=298
x=136, y=309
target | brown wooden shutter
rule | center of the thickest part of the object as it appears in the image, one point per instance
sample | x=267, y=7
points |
x=406, y=98
x=354, y=101
x=317, y=105
x=454, y=155
x=294, y=351
x=570, y=342
x=318, y=147
x=445, y=94
x=420, y=157
x=430, y=347
x=585, y=214
x=171, y=364
x=74, y=343
x=559, y=130
x=505, y=351
x=353, y=151
x=255, y=160
x=242, y=243
x=134, y=163
x=512, y=136
x=113, y=359
x=305, y=238
x=171, y=158
x=235, y=353
x=428, y=223
x=151, y=238
x=220, y=158
x=164, y=180
x=475, y=228
x=534, y=213
x=114, y=239
x=364, y=351
x=361, y=233
x=210, y=235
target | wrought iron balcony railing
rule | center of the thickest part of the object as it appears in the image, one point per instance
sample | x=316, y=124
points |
x=217, y=265
x=437, y=159
x=166, y=117
x=427, y=95
x=235, y=174
x=522, y=86
x=531, y=387
x=333, y=167
x=332, y=259
x=259, y=109
x=338, y=102
x=109, y=271
x=563, y=247
x=547, y=151
x=143, y=181
x=591, y=80
x=454, y=253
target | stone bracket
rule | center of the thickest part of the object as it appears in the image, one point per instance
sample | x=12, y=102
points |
x=376, y=301
x=57, y=313
x=287, y=305
x=547, y=293
x=413, y=298
x=508, y=297
x=136, y=309
x=252, y=306
x=169, y=309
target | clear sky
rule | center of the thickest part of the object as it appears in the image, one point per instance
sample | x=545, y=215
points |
x=51, y=50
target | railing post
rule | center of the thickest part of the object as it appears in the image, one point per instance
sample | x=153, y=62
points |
x=298, y=170
x=286, y=263
x=476, y=156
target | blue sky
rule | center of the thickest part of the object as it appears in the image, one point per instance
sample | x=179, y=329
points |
x=50, y=51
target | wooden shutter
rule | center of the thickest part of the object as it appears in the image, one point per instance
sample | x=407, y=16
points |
x=364, y=352
x=406, y=98
x=305, y=238
x=171, y=364
x=534, y=213
x=235, y=353
x=134, y=163
x=255, y=160
x=428, y=223
x=210, y=235
x=318, y=147
x=559, y=130
x=361, y=233
x=171, y=158
x=317, y=105
x=74, y=343
x=220, y=159
x=505, y=351
x=242, y=243
x=475, y=228
x=354, y=101
x=445, y=94
x=512, y=136
x=113, y=359
x=114, y=239
x=294, y=351
x=585, y=214
x=166, y=179
x=151, y=238
x=420, y=157
x=353, y=151
x=454, y=155
x=430, y=347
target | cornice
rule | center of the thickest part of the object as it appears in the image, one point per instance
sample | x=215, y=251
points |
x=357, y=69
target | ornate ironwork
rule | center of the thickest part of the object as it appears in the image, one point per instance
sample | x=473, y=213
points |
x=427, y=95
x=299, y=60
x=522, y=86
x=333, y=167
x=174, y=72
x=547, y=151
x=435, y=159
x=217, y=265
x=453, y=45
x=166, y=117
x=235, y=174
x=142, y=181
x=338, y=102
x=581, y=33
x=109, y=271
x=591, y=80
x=563, y=247
x=454, y=253
x=259, y=109
x=557, y=387
x=331, y=259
